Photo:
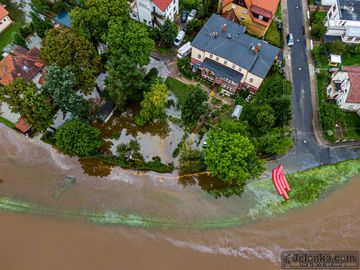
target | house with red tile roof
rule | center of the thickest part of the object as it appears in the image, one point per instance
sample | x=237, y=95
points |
x=154, y=12
x=256, y=15
x=5, y=20
x=345, y=88
x=21, y=62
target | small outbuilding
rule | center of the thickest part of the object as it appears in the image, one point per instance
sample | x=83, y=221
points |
x=105, y=112
x=23, y=127
x=335, y=60
x=237, y=112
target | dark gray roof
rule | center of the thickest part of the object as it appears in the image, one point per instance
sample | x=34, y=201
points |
x=105, y=111
x=222, y=71
x=328, y=38
x=236, y=49
x=349, y=10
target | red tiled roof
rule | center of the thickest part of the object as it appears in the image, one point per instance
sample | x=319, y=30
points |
x=230, y=15
x=3, y=12
x=20, y=63
x=162, y=4
x=226, y=2
x=354, y=77
x=261, y=11
x=22, y=126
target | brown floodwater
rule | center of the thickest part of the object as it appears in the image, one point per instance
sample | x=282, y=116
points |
x=32, y=171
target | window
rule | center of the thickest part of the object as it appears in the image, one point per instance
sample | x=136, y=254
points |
x=199, y=56
x=261, y=17
x=242, y=18
x=240, y=69
x=357, y=39
x=211, y=56
x=244, y=10
x=217, y=58
x=233, y=66
x=343, y=23
x=251, y=80
x=330, y=13
x=225, y=62
x=174, y=8
x=233, y=6
x=349, y=38
x=334, y=8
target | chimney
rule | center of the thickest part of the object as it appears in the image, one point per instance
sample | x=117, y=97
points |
x=257, y=48
x=223, y=27
x=215, y=34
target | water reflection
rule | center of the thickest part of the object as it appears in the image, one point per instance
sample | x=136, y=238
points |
x=95, y=167
x=213, y=185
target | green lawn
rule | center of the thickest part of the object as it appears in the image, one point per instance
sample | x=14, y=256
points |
x=6, y=36
x=278, y=12
x=180, y=89
x=17, y=17
x=7, y=122
x=273, y=35
x=351, y=60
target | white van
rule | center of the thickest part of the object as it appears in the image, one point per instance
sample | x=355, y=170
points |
x=185, y=50
x=179, y=38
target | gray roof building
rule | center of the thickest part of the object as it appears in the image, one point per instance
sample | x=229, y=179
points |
x=349, y=10
x=235, y=46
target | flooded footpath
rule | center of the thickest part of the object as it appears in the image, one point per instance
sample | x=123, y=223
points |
x=33, y=172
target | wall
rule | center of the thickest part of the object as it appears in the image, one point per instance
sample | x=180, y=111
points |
x=144, y=11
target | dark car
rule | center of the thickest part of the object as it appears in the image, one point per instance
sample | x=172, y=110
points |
x=184, y=16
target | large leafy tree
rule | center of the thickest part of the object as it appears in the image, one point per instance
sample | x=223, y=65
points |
x=130, y=38
x=92, y=18
x=168, y=33
x=25, y=99
x=276, y=141
x=78, y=138
x=194, y=105
x=231, y=157
x=45, y=6
x=59, y=85
x=124, y=81
x=40, y=26
x=66, y=48
x=154, y=103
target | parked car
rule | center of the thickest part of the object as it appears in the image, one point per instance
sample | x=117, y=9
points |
x=290, y=40
x=184, y=16
x=179, y=38
x=192, y=15
x=184, y=51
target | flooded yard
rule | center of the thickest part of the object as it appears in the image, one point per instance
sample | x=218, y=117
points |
x=159, y=138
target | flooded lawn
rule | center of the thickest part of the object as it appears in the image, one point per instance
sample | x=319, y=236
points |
x=158, y=138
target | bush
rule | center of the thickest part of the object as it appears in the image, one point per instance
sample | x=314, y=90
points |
x=27, y=30
x=185, y=68
x=49, y=137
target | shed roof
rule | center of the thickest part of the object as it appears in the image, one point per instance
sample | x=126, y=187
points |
x=22, y=126
x=3, y=12
x=354, y=77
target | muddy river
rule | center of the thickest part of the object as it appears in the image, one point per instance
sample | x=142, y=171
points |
x=33, y=172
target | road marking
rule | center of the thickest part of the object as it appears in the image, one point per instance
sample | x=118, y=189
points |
x=289, y=57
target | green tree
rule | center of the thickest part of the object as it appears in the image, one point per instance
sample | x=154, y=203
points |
x=78, y=138
x=18, y=39
x=39, y=25
x=59, y=85
x=130, y=38
x=262, y=117
x=25, y=99
x=44, y=6
x=124, y=81
x=318, y=31
x=66, y=48
x=337, y=47
x=194, y=105
x=153, y=105
x=92, y=18
x=191, y=160
x=168, y=33
x=130, y=153
x=275, y=142
x=194, y=26
x=231, y=157
x=282, y=110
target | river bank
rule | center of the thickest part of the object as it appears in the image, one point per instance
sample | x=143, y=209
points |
x=37, y=242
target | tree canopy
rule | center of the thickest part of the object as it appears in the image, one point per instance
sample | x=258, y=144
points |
x=76, y=137
x=23, y=98
x=59, y=85
x=65, y=48
x=168, y=33
x=92, y=18
x=274, y=142
x=130, y=38
x=124, y=81
x=231, y=157
x=154, y=103
x=194, y=105
x=40, y=26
